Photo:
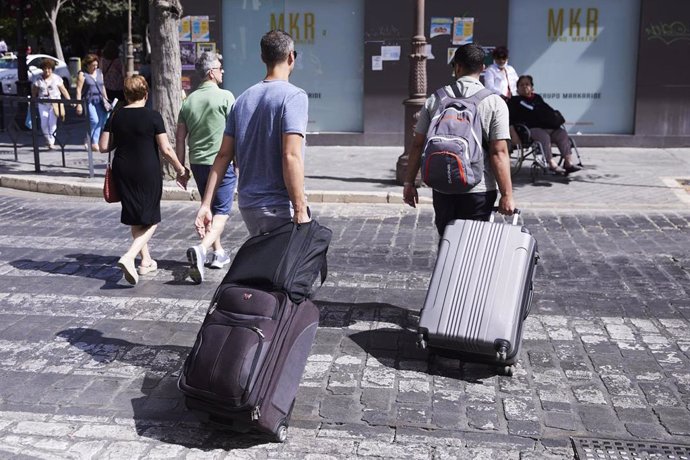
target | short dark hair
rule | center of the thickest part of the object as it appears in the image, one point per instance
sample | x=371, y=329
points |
x=500, y=52
x=526, y=77
x=276, y=46
x=47, y=63
x=470, y=57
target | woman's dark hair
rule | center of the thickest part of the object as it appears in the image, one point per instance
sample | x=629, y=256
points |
x=526, y=77
x=110, y=50
x=47, y=64
x=88, y=59
x=500, y=52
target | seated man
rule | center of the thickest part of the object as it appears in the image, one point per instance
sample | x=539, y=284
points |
x=528, y=108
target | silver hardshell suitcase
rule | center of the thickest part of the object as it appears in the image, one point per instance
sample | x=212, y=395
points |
x=480, y=292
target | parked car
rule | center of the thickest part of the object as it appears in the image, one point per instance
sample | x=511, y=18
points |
x=9, y=64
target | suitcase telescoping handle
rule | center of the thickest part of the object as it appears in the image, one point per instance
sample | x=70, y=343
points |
x=516, y=215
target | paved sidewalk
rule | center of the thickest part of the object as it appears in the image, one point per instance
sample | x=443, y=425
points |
x=623, y=179
x=88, y=364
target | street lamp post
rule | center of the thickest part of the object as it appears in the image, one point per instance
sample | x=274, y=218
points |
x=417, y=89
x=130, y=46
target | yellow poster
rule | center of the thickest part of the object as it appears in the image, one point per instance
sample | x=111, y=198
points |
x=185, y=29
x=200, y=31
x=463, y=31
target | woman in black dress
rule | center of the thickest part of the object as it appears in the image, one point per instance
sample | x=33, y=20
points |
x=138, y=135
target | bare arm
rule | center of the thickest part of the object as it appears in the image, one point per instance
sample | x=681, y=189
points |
x=169, y=154
x=80, y=85
x=104, y=142
x=293, y=175
x=414, y=162
x=500, y=165
x=225, y=156
x=181, y=141
x=64, y=92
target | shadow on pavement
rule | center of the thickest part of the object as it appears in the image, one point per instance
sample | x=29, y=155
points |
x=161, y=400
x=393, y=342
x=98, y=267
x=367, y=180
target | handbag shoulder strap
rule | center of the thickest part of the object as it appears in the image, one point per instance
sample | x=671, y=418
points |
x=111, y=137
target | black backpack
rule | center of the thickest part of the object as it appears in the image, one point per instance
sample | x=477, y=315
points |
x=289, y=257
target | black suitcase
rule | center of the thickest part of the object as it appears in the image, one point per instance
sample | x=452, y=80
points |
x=247, y=362
x=290, y=257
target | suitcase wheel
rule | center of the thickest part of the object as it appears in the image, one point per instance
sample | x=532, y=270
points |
x=421, y=343
x=281, y=433
x=506, y=370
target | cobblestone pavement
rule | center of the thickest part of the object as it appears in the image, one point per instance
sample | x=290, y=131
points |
x=88, y=365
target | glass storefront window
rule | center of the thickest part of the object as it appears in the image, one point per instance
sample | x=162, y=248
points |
x=583, y=59
x=330, y=61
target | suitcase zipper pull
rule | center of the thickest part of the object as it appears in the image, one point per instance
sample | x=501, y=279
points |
x=258, y=331
x=256, y=413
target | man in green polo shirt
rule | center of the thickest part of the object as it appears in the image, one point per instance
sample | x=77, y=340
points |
x=201, y=123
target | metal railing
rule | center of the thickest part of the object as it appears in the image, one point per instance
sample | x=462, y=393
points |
x=13, y=111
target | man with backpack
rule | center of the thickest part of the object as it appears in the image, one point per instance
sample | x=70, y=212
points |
x=460, y=141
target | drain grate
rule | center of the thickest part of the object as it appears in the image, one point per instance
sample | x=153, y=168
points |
x=608, y=449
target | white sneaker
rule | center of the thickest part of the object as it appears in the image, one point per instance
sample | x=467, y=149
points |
x=210, y=255
x=196, y=255
x=220, y=259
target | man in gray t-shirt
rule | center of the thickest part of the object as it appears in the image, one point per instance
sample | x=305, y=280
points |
x=264, y=136
x=492, y=111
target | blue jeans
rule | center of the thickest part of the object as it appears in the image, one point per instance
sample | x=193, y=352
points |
x=97, y=117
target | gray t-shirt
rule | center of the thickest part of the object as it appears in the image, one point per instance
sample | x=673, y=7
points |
x=257, y=121
x=493, y=114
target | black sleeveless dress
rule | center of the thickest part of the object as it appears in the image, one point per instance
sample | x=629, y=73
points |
x=136, y=165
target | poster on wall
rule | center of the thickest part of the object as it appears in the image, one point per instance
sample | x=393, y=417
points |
x=185, y=29
x=440, y=26
x=331, y=73
x=205, y=46
x=200, y=30
x=450, y=54
x=376, y=63
x=586, y=74
x=463, y=31
x=390, y=53
x=187, y=55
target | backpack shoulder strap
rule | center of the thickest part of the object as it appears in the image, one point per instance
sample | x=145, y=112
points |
x=479, y=96
x=441, y=96
x=456, y=90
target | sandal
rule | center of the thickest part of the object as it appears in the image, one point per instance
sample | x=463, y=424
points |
x=571, y=169
x=152, y=267
x=557, y=170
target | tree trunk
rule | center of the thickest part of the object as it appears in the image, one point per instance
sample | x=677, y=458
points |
x=56, y=38
x=52, y=19
x=166, y=67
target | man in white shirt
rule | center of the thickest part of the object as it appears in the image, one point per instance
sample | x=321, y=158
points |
x=500, y=77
